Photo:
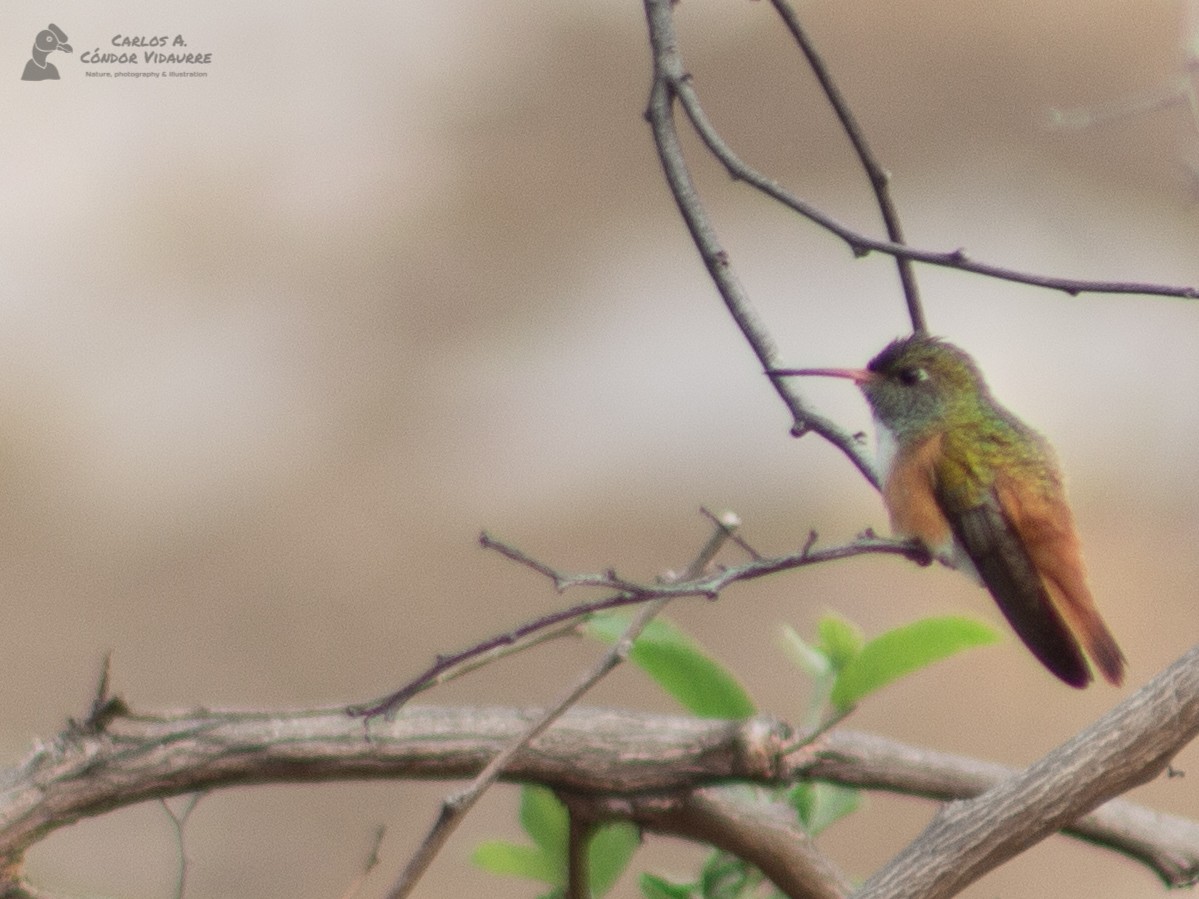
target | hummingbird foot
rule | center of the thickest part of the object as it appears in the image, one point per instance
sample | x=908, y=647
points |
x=921, y=554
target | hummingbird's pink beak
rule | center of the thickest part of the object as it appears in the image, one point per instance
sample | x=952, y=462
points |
x=857, y=375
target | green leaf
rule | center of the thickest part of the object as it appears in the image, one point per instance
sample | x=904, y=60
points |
x=509, y=859
x=654, y=887
x=840, y=639
x=680, y=666
x=812, y=661
x=903, y=650
x=803, y=799
x=725, y=876
x=608, y=854
x=544, y=818
x=820, y=805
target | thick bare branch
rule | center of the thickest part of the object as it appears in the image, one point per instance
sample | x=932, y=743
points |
x=1167, y=844
x=1129, y=746
x=587, y=752
x=765, y=834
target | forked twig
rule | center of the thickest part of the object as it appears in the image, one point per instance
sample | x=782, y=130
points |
x=671, y=81
x=455, y=806
x=879, y=177
x=629, y=593
x=178, y=823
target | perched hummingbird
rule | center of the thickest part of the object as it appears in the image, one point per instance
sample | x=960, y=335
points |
x=984, y=493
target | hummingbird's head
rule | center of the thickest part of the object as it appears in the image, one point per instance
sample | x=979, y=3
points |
x=915, y=384
x=918, y=383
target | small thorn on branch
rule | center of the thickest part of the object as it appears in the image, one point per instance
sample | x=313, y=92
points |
x=105, y=707
x=806, y=549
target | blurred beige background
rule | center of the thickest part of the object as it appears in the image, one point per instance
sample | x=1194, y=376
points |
x=277, y=343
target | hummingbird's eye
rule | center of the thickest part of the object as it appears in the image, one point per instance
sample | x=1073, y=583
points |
x=911, y=376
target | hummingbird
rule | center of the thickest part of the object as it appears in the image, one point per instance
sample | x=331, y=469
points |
x=983, y=492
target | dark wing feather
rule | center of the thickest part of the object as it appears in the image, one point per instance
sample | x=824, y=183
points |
x=1008, y=572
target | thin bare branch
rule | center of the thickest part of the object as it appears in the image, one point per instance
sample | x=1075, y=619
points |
x=1177, y=92
x=706, y=585
x=880, y=178
x=178, y=822
x=669, y=69
x=456, y=806
x=733, y=536
x=578, y=873
x=561, y=581
x=670, y=77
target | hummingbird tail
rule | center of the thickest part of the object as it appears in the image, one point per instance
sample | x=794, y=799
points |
x=1048, y=537
x=1107, y=656
x=1084, y=620
x=1013, y=580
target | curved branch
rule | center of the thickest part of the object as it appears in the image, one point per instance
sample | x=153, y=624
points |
x=629, y=593
x=669, y=66
x=880, y=179
x=767, y=835
x=1166, y=844
x=669, y=78
x=1129, y=746
x=603, y=753
x=455, y=807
